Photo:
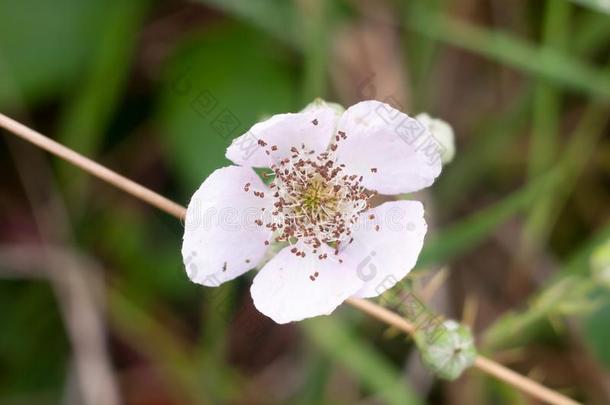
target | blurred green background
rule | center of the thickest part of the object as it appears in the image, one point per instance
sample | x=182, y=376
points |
x=95, y=306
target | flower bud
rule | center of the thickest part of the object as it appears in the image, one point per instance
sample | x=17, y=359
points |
x=450, y=352
x=319, y=103
x=443, y=133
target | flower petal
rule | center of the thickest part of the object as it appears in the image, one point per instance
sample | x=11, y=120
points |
x=285, y=291
x=392, y=151
x=221, y=240
x=312, y=127
x=386, y=247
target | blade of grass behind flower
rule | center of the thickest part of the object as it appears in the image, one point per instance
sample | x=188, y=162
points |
x=216, y=319
x=467, y=233
x=517, y=53
x=517, y=324
x=547, y=101
x=496, y=134
x=577, y=155
x=276, y=17
x=546, y=117
x=88, y=113
x=340, y=343
x=153, y=340
x=156, y=275
x=421, y=51
x=591, y=34
x=492, y=137
x=316, y=29
x=319, y=371
x=578, y=262
x=600, y=6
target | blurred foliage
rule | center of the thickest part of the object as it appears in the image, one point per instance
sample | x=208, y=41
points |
x=597, y=333
x=45, y=46
x=211, y=96
x=157, y=90
x=375, y=372
x=92, y=105
x=21, y=344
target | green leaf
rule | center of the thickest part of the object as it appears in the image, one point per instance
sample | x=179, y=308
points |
x=217, y=86
x=316, y=28
x=44, y=45
x=341, y=343
x=88, y=113
x=277, y=17
x=597, y=333
x=29, y=364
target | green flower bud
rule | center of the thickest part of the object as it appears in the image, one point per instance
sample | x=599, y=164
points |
x=451, y=350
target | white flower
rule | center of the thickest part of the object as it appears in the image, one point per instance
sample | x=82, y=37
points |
x=325, y=164
x=443, y=133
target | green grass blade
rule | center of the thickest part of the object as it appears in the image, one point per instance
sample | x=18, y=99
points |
x=546, y=119
x=546, y=98
x=491, y=138
x=88, y=113
x=591, y=34
x=581, y=147
x=316, y=29
x=339, y=342
x=602, y=6
x=277, y=17
x=504, y=48
x=467, y=233
x=573, y=275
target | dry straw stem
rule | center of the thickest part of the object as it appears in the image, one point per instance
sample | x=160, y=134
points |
x=393, y=319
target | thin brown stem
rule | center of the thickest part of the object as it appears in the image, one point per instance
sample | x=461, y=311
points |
x=484, y=364
x=393, y=319
x=93, y=168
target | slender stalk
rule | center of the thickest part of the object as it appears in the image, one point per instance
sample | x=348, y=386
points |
x=525, y=384
x=383, y=314
x=93, y=168
x=484, y=364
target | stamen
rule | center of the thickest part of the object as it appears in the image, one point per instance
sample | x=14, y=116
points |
x=316, y=201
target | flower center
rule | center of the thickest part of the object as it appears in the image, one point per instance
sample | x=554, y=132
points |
x=316, y=201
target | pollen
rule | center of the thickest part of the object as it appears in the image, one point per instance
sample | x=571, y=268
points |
x=316, y=200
